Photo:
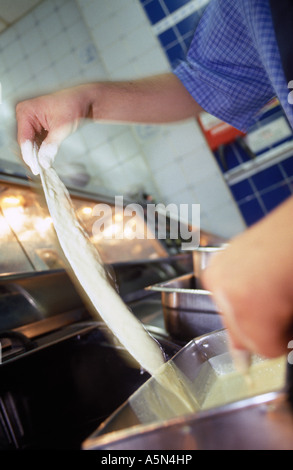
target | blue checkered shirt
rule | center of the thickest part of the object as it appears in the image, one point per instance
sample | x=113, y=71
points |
x=233, y=67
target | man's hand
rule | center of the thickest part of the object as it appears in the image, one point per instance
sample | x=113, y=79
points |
x=252, y=281
x=47, y=121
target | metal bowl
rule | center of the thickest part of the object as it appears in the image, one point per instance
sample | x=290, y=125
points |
x=262, y=421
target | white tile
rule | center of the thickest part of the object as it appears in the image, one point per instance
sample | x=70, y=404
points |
x=96, y=12
x=44, y=10
x=197, y=168
x=92, y=12
x=78, y=34
x=6, y=84
x=132, y=15
x=125, y=72
x=125, y=21
x=38, y=61
x=158, y=153
x=137, y=175
x=27, y=90
x=12, y=53
x=212, y=192
x=20, y=73
x=93, y=134
x=115, y=56
x=116, y=180
x=140, y=40
x=12, y=11
x=67, y=70
x=74, y=145
x=136, y=170
x=182, y=197
x=125, y=145
x=148, y=133
x=69, y=13
x=50, y=26
x=225, y=221
x=183, y=138
x=95, y=184
x=47, y=81
x=58, y=46
x=102, y=35
x=86, y=53
x=25, y=24
x=8, y=36
x=31, y=40
x=205, y=157
x=7, y=113
x=170, y=179
x=112, y=130
x=102, y=159
x=152, y=62
x=117, y=25
x=95, y=71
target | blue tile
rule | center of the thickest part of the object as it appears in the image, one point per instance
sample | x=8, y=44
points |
x=167, y=37
x=267, y=118
x=188, y=24
x=227, y=158
x=175, y=54
x=288, y=166
x=251, y=211
x=187, y=38
x=276, y=112
x=154, y=11
x=241, y=190
x=242, y=153
x=274, y=145
x=276, y=196
x=290, y=184
x=267, y=177
x=173, y=5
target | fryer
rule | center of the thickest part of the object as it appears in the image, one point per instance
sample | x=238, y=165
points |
x=61, y=373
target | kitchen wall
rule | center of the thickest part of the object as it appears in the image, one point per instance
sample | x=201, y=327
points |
x=65, y=42
x=262, y=177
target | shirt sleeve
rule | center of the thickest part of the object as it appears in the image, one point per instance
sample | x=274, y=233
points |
x=223, y=70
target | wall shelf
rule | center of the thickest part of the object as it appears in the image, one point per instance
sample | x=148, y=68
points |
x=261, y=162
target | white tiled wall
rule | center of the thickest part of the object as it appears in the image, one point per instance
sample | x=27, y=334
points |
x=64, y=42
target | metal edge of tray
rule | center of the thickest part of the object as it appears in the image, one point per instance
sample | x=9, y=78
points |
x=187, y=429
x=187, y=312
x=166, y=286
x=184, y=300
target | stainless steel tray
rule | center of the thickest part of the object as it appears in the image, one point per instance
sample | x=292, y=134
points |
x=188, y=311
x=263, y=421
x=201, y=257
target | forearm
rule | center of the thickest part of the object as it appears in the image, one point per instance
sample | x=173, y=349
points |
x=156, y=99
x=47, y=120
